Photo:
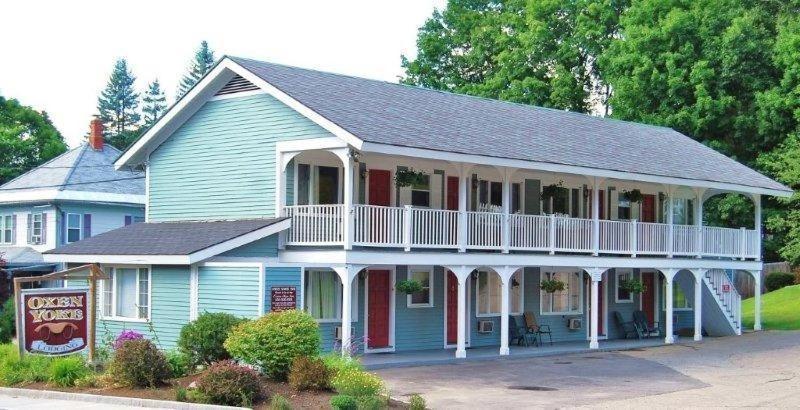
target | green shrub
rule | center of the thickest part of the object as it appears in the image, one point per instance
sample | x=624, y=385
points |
x=777, y=280
x=180, y=395
x=89, y=380
x=178, y=363
x=357, y=383
x=335, y=362
x=309, y=373
x=8, y=322
x=417, y=402
x=65, y=371
x=16, y=370
x=201, y=339
x=229, y=384
x=139, y=363
x=372, y=402
x=278, y=402
x=274, y=340
x=344, y=402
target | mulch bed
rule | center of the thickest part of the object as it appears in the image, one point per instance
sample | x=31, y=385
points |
x=299, y=400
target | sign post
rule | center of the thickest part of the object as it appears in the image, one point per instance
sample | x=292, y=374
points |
x=58, y=321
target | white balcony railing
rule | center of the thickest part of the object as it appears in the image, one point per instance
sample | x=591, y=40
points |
x=420, y=228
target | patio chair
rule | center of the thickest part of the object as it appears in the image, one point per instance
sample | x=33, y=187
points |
x=628, y=328
x=518, y=333
x=643, y=327
x=535, y=327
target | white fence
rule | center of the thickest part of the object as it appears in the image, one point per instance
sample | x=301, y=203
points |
x=408, y=227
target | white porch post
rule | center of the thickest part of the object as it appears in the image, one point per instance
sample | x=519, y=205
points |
x=462, y=274
x=596, y=215
x=757, y=227
x=280, y=182
x=463, y=190
x=505, y=272
x=596, y=274
x=698, y=220
x=757, y=302
x=346, y=274
x=670, y=228
x=506, y=231
x=348, y=221
x=698, y=303
x=669, y=275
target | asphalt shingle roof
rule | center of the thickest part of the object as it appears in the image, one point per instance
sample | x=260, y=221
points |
x=80, y=169
x=400, y=115
x=164, y=238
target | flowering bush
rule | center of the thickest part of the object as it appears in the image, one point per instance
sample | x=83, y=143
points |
x=230, y=384
x=356, y=383
x=125, y=336
x=139, y=363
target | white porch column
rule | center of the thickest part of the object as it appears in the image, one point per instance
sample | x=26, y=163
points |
x=757, y=224
x=669, y=275
x=463, y=190
x=670, y=219
x=596, y=274
x=346, y=274
x=506, y=231
x=348, y=221
x=462, y=274
x=698, y=220
x=698, y=303
x=505, y=272
x=757, y=302
x=596, y=215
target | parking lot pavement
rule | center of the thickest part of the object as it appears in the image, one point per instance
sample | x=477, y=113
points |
x=755, y=370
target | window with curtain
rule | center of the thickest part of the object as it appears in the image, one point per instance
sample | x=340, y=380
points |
x=563, y=302
x=323, y=296
x=489, y=294
x=126, y=294
x=73, y=228
x=421, y=192
x=6, y=228
x=36, y=228
x=423, y=275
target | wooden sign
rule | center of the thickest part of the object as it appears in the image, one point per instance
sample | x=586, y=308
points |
x=54, y=320
x=283, y=298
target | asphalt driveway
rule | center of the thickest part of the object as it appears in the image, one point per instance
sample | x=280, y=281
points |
x=753, y=370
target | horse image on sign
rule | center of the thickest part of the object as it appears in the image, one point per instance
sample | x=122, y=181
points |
x=54, y=320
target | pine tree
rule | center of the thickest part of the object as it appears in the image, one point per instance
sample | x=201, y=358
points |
x=155, y=103
x=202, y=62
x=119, y=101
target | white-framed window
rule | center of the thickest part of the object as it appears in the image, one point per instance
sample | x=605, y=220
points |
x=679, y=299
x=566, y=302
x=126, y=294
x=421, y=192
x=622, y=295
x=322, y=297
x=623, y=208
x=74, y=227
x=423, y=298
x=6, y=228
x=488, y=295
x=37, y=228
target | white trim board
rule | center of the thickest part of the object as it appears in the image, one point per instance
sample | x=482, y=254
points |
x=35, y=195
x=195, y=257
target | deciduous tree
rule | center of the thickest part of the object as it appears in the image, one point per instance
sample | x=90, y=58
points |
x=27, y=139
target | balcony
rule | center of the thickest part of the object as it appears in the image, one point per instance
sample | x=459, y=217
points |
x=411, y=228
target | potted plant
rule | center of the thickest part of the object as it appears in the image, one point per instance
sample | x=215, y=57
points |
x=552, y=285
x=550, y=191
x=632, y=285
x=408, y=177
x=408, y=286
x=634, y=195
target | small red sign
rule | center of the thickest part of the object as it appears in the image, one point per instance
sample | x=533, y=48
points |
x=54, y=320
x=283, y=298
x=726, y=287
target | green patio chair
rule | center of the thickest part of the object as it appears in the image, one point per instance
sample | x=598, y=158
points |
x=628, y=328
x=519, y=334
x=643, y=327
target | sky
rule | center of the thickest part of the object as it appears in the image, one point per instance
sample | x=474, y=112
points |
x=63, y=51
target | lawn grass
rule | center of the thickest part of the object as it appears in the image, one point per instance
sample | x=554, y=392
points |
x=780, y=309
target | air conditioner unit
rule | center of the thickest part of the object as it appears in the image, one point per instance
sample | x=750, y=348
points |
x=485, y=326
x=337, y=332
x=575, y=323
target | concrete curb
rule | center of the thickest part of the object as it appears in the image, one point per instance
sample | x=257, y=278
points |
x=96, y=398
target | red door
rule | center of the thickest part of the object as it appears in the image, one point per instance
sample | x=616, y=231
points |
x=648, y=208
x=452, y=308
x=649, y=296
x=452, y=193
x=378, y=299
x=379, y=187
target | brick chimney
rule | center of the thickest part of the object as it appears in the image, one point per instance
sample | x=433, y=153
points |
x=96, y=134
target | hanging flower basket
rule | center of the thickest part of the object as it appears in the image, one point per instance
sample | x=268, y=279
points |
x=552, y=285
x=408, y=286
x=409, y=177
x=632, y=286
x=632, y=196
x=550, y=191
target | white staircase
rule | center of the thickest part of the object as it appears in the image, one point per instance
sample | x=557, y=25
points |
x=726, y=297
